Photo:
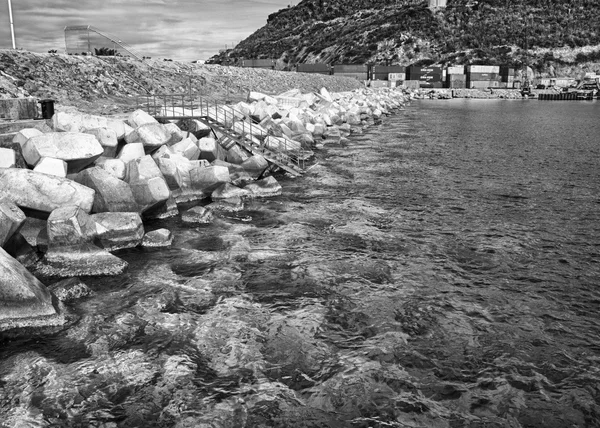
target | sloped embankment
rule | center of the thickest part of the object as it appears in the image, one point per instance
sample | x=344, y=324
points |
x=108, y=85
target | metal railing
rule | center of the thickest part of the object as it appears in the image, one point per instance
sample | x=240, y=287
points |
x=237, y=124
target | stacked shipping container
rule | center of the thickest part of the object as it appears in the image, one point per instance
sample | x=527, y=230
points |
x=383, y=72
x=258, y=63
x=428, y=77
x=317, y=68
x=483, y=76
x=356, y=71
x=456, y=77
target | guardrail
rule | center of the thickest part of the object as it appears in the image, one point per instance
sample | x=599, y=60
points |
x=233, y=122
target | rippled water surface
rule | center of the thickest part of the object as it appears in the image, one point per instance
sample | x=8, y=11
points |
x=440, y=270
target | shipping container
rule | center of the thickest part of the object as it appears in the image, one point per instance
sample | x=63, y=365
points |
x=358, y=76
x=482, y=69
x=507, y=71
x=426, y=77
x=456, y=81
x=457, y=84
x=258, y=63
x=424, y=70
x=456, y=70
x=430, y=85
x=379, y=84
x=483, y=76
x=387, y=69
x=379, y=76
x=482, y=84
x=318, y=68
x=350, y=68
x=396, y=76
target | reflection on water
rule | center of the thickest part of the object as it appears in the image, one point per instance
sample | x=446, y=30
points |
x=439, y=271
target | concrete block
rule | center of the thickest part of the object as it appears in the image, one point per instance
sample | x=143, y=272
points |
x=8, y=158
x=52, y=166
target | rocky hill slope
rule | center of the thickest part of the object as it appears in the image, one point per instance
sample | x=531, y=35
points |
x=108, y=85
x=561, y=33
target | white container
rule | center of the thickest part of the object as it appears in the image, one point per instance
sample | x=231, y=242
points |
x=456, y=70
x=396, y=76
x=483, y=69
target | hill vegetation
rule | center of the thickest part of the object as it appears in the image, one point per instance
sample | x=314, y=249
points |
x=561, y=33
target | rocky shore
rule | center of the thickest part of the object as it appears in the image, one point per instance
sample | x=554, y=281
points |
x=78, y=187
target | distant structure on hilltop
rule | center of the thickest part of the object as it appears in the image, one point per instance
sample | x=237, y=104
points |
x=88, y=40
x=437, y=4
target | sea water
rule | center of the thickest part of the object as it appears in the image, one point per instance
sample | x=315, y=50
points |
x=441, y=269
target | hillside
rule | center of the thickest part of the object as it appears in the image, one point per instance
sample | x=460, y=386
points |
x=563, y=33
x=108, y=85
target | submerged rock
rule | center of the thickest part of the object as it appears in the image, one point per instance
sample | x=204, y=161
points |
x=70, y=289
x=264, y=188
x=197, y=214
x=116, y=231
x=79, y=260
x=158, y=238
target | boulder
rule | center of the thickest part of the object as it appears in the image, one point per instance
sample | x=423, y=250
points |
x=229, y=191
x=51, y=166
x=139, y=118
x=115, y=167
x=151, y=135
x=79, y=260
x=158, y=238
x=198, y=215
x=107, y=137
x=131, y=151
x=77, y=149
x=150, y=194
x=237, y=173
x=166, y=210
x=176, y=133
x=23, y=135
x=111, y=194
x=24, y=300
x=69, y=225
x=35, y=232
x=195, y=127
x=8, y=158
x=42, y=192
x=11, y=220
x=118, y=230
x=187, y=148
x=18, y=247
x=176, y=171
x=78, y=122
x=142, y=169
x=210, y=149
x=236, y=155
x=255, y=165
x=264, y=188
x=209, y=178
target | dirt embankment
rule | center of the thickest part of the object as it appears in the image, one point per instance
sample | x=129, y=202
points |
x=109, y=85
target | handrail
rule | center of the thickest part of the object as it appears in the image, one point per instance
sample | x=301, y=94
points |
x=225, y=115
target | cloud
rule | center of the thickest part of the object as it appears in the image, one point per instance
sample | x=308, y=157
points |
x=178, y=29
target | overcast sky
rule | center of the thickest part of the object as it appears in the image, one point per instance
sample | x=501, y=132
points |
x=177, y=29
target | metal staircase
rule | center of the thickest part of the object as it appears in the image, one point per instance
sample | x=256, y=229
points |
x=221, y=120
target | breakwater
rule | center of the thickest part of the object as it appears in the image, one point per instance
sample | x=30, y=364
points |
x=84, y=186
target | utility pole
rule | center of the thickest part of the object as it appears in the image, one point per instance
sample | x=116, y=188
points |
x=12, y=26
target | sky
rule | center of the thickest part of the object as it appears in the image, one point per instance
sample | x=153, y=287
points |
x=184, y=30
